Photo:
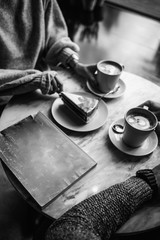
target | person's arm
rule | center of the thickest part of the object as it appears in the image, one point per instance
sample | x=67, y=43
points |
x=14, y=82
x=99, y=216
x=57, y=39
x=59, y=47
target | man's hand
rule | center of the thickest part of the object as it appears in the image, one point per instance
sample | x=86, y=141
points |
x=155, y=108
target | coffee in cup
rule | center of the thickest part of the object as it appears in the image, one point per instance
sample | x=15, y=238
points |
x=139, y=124
x=108, y=74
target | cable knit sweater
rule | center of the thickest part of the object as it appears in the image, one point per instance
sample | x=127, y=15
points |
x=32, y=34
x=99, y=216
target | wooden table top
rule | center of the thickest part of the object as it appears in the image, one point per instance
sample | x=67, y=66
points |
x=113, y=166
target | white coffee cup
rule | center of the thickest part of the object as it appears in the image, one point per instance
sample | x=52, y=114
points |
x=139, y=124
x=108, y=75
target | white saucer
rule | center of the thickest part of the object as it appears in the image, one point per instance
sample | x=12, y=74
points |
x=68, y=119
x=116, y=94
x=148, y=146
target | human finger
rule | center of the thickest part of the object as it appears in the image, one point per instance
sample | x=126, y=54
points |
x=84, y=71
x=93, y=76
x=146, y=103
x=59, y=84
x=53, y=86
x=92, y=68
x=152, y=105
x=74, y=47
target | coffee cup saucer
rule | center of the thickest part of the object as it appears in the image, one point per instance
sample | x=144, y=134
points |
x=114, y=94
x=148, y=146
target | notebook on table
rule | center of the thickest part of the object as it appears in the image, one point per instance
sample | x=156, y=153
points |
x=43, y=158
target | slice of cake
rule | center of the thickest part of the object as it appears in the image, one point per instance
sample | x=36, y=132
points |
x=82, y=105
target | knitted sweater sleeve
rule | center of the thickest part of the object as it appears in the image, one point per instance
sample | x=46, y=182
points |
x=99, y=216
x=15, y=82
x=56, y=33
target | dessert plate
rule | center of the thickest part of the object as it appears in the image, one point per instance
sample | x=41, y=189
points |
x=115, y=94
x=68, y=119
x=148, y=146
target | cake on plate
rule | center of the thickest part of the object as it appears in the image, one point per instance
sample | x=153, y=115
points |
x=83, y=106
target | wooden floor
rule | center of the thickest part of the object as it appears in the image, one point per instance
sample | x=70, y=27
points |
x=118, y=34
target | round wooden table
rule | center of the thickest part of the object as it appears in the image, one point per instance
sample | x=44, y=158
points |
x=113, y=166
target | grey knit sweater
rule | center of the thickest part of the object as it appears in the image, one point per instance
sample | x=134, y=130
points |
x=99, y=216
x=32, y=34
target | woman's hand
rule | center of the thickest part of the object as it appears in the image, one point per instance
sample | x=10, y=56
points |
x=50, y=82
x=60, y=51
x=57, y=84
x=155, y=108
x=87, y=72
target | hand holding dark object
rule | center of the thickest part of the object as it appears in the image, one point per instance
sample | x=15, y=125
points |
x=155, y=108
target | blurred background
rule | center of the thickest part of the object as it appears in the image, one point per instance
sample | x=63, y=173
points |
x=127, y=32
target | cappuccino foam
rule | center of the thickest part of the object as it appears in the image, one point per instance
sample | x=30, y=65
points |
x=109, y=69
x=139, y=122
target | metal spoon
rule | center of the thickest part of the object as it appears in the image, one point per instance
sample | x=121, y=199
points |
x=111, y=92
x=118, y=128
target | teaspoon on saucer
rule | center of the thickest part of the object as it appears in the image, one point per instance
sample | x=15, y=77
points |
x=112, y=91
x=118, y=128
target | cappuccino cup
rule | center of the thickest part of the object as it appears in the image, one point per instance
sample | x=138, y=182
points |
x=139, y=124
x=108, y=74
